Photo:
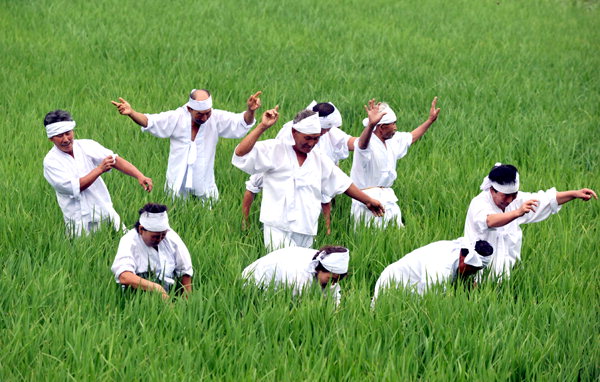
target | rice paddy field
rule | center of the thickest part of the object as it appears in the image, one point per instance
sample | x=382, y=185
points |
x=517, y=82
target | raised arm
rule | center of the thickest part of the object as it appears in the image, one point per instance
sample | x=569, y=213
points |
x=374, y=117
x=253, y=104
x=421, y=130
x=127, y=168
x=502, y=219
x=584, y=194
x=269, y=118
x=125, y=109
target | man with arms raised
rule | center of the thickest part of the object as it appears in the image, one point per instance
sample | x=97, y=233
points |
x=495, y=215
x=376, y=152
x=194, y=130
x=73, y=168
x=295, y=179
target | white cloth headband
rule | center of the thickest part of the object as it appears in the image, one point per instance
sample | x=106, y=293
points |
x=509, y=188
x=154, y=222
x=473, y=257
x=309, y=125
x=336, y=262
x=332, y=120
x=57, y=128
x=389, y=117
x=200, y=105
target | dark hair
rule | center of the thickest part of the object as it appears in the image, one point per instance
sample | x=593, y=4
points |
x=150, y=207
x=329, y=249
x=484, y=248
x=324, y=109
x=303, y=114
x=57, y=116
x=503, y=174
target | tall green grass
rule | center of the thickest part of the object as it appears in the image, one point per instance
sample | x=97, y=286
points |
x=517, y=83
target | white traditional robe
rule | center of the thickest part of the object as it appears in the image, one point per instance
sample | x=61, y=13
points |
x=172, y=259
x=292, y=193
x=432, y=264
x=289, y=267
x=333, y=143
x=82, y=210
x=190, y=168
x=255, y=183
x=506, y=240
x=374, y=171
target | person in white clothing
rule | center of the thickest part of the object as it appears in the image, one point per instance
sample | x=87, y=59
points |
x=299, y=268
x=295, y=179
x=151, y=255
x=194, y=130
x=374, y=165
x=73, y=167
x=435, y=263
x=495, y=215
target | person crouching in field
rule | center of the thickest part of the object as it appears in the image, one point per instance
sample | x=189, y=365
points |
x=299, y=268
x=435, y=263
x=495, y=215
x=73, y=168
x=152, y=255
x=295, y=179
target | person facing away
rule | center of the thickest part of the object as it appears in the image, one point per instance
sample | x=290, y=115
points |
x=73, y=167
x=435, y=263
x=295, y=178
x=194, y=130
x=496, y=214
x=151, y=256
x=374, y=164
x=299, y=268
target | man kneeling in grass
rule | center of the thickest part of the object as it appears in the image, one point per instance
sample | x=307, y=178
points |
x=151, y=255
x=435, y=263
x=298, y=268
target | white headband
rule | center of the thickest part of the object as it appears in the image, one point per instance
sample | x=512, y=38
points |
x=473, y=257
x=57, y=128
x=509, y=188
x=336, y=262
x=332, y=120
x=309, y=125
x=389, y=117
x=200, y=105
x=154, y=222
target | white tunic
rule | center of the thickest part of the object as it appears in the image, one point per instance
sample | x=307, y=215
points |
x=421, y=268
x=333, y=143
x=289, y=267
x=82, y=210
x=171, y=260
x=506, y=240
x=374, y=170
x=292, y=193
x=191, y=163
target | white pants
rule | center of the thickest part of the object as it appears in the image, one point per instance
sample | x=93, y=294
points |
x=276, y=238
x=386, y=196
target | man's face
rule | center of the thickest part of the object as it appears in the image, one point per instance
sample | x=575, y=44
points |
x=325, y=278
x=64, y=141
x=387, y=130
x=305, y=142
x=152, y=239
x=465, y=270
x=200, y=116
x=502, y=200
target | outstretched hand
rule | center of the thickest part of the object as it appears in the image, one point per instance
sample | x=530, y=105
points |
x=433, y=112
x=585, y=194
x=124, y=107
x=254, y=101
x=375, y=207
x=373, y=112
x=146, y=183
x=270, y=117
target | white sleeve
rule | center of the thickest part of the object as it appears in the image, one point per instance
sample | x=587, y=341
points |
x=62, y=180
x=259, y=159
x=94, y=150
x=333, y=180
x=402, y=142
x=339, y=141
x=231, y=125
x=255, y=183
x=125, y=258
x=547, y=205
x=183, y=260
x=162, y=125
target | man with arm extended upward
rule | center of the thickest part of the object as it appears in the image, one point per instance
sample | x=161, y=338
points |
x=194, y=130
